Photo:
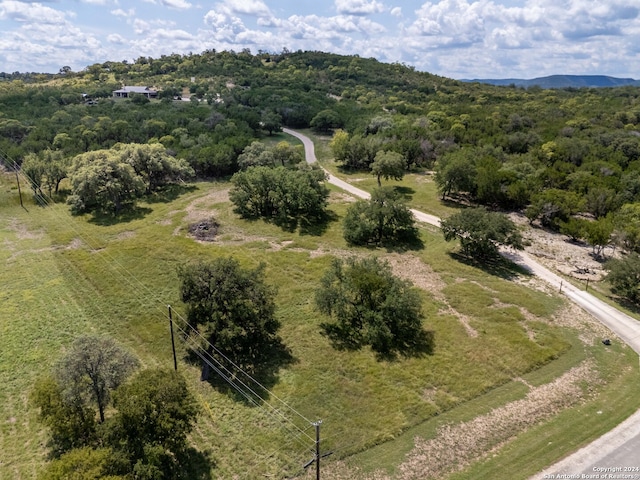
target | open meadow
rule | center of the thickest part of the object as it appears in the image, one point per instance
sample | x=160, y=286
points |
x=515, y=369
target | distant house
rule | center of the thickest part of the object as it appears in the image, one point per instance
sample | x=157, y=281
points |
x=125, y=92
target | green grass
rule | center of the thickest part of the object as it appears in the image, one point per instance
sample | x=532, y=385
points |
x=65, y=275
x=419, y=189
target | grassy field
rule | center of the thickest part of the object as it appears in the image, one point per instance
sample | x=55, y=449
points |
x=65, y=275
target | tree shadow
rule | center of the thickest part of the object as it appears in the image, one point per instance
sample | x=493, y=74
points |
x=124, y=216
x=406, y=192
x=457, y=202
x=196, y=465
x=313, y=226
x=413, y=344
x=247, y=384
x=169, y=193
x=410, y=242
x=498, y=266
x=417, y=346
x=317, y=226
x=625, y=303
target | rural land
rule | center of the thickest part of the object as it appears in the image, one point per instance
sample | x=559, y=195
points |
x=240, y=266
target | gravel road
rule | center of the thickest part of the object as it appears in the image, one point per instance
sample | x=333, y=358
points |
x=620, y=445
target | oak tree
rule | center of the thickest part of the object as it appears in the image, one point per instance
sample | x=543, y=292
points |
x=481, y=232
x=368, y=305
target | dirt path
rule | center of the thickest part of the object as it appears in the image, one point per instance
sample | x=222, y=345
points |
x=626, y=327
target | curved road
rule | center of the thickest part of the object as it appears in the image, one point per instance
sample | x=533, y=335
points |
x=618, y=448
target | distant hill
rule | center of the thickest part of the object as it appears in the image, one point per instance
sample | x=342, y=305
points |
x=563, y=81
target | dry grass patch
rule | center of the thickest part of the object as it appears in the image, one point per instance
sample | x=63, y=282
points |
x=22, y=232
x=198, y=208
x=454, y=447
x=422, y=276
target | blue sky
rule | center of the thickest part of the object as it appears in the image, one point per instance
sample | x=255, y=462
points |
x=452, y=38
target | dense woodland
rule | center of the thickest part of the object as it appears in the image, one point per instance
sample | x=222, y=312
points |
x=498, y=145
x=568, y=158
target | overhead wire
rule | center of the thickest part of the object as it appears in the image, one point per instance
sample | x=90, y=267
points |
x=226, y=375
x=117, y=269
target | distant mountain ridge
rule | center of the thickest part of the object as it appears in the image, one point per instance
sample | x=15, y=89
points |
x=562, y=81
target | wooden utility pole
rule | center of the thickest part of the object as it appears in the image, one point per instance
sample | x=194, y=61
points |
x=317, y=425
x=19, y=191
x=173, y=342
x=317, y=457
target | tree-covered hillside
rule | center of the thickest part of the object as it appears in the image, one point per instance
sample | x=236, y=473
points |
x=503, y=147
x=393, y=342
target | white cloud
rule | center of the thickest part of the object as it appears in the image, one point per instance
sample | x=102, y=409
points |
x=117, y=39
x=246, y=7
x=173, y=4
x=358, y=7
x=30, y=12
x=122, y=13
x=457, y=38
x=450, y=22
x=177, y=4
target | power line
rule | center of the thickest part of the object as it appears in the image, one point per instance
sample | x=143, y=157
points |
x=233, y=378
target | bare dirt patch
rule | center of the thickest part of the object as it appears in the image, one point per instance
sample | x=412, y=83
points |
x=201, y=207
x=205, y=230
x=339, y=197
x=22, y=232
x=125, y=235
x=558, y=253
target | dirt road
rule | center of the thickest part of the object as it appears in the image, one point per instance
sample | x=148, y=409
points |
x=617, y=442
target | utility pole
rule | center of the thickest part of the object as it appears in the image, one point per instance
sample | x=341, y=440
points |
x=317, y=457
x=19, y=191
x=173, y=342
x=317, y=425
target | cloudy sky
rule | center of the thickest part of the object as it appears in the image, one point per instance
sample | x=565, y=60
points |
x=453, y=38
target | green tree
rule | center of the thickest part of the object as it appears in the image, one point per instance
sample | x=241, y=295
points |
x=553, y=206
x=271, y=122
x=598, y=234
x=56, y=168
x=283, y=195
x=384, y=218
x=490, y=181
x=627, y=227
x=235, y=307
x=388, y=165
x=71, y=421
x=92, y=368
x=481, y=232
x=574, y=228
x=102, y=182
x=624, y=276
x=257, y=154
x=153, y=164
x=456, y=172
x=368, y=305
x=601, y=201
x=155, y=413
x=355, y=152
x=286, y=154
x=83, y=463
x=325, y=121
x=33, y=167
x=45, y=169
